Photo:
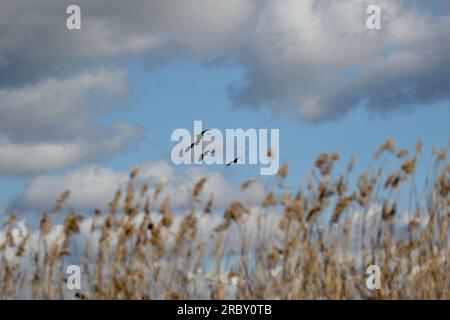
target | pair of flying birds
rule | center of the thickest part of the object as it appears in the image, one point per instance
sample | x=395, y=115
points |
x=198, y=139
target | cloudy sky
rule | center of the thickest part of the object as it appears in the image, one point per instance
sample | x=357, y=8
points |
x=79, y=108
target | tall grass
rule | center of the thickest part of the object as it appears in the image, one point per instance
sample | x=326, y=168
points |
x=315, y=243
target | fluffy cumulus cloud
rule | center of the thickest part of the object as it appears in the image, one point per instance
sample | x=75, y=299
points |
x=313, y=59
x=52, y=124
x=93, y=187
x=316, y=58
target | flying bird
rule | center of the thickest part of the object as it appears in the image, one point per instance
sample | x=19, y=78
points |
x=190, y=147
x=197, y=140
x=205, y=131
x=233, y=162
x=204, y=154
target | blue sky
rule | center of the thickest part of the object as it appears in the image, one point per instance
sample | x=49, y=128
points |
x=109, y=95
x=175, y=95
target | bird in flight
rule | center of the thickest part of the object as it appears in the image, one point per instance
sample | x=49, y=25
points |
x=190, y=147
x=233, y=162
x=204, y=154
x=197, y=140
x=204, y=131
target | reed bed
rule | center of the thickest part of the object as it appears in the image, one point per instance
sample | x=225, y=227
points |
x=314, y=243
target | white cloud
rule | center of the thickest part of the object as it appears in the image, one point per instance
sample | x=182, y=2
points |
x=94, y=187
x=52, y=124
x=312, y=59
x=296, y=54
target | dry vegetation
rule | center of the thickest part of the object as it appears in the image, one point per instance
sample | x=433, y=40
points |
x=315, y=243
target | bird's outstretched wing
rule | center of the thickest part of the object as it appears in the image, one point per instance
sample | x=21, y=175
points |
x=189, y=147
x=203, y=155
x=233, y=162
x=198, y=138
x=205, y=131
